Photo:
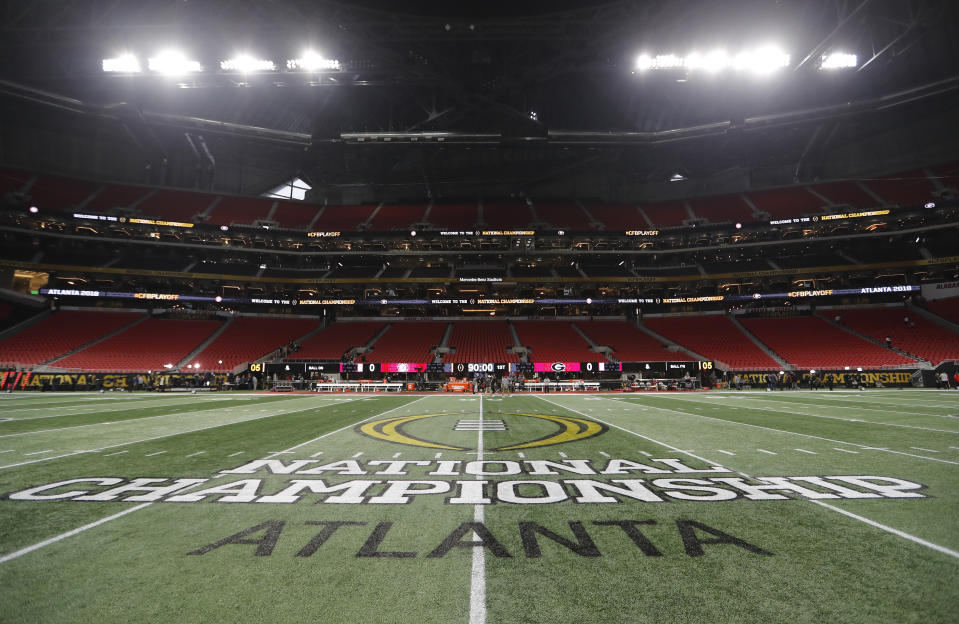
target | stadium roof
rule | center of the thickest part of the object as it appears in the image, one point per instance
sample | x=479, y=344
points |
x=448, y=99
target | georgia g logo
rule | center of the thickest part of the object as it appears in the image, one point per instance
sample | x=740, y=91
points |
x=558, y=367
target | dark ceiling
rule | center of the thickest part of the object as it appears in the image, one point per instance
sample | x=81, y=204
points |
x=474, y=72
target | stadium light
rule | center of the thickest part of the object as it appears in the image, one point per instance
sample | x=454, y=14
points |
x=168, y=366
x=838, y=60
x=123, y=64
x=312, y=61
x=173, y=63
x=34, y=210
x=247, y=64
x=761, y=61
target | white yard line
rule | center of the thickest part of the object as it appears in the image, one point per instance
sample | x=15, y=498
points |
x=804, y=435
x=872, y=523
x=856, y=407
x=63, y=536
x=478, y=567
x=889, y=529
x=857, y=420
x=160, y=437
x=71, y=533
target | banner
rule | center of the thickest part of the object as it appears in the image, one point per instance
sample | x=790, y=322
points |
x=942, y=290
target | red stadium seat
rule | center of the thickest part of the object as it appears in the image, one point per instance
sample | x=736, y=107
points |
x=554, y=341
x=407, y=342
x=712, y=336
x=61, y=333
x=481, y=341
x=337, y=339
x=630, y=344
x=146, y=346
x=811, y=342
x=918, y=337
x=249, y=338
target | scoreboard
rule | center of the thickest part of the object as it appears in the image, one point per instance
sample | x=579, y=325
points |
x=464, y=369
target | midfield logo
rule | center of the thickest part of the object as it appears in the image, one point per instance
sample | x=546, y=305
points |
x=569, y=429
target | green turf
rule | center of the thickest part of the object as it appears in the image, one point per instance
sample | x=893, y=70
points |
x=567, y=561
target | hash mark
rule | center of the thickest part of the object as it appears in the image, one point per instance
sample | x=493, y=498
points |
x=395, y=455
x=604, y=454
x=836, y=448
x=117, y=453
x=725, y=452
x=765, y=451
x=152, y=454
x=645, y=453
x=7, y=451
x=355, y=455
x=437, y=456
x=918, y=448
x=521, y=455
x=316, y=454
x=197, y=453
x=233, y=454
x=805, y=451
x=39, y=452
x=562, y=454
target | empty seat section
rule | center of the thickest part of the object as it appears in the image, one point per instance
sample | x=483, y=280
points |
x=568, y=216
x=722, y=208
x=397, y=217
x=175, y=205
x=115, y=196
x=12, y=181
x=554, y=342
x=910, y=188
x=785, y=203
x=244, y=210
x=481, y=341
x=454, y=216
x=666, y=214
x=60, y=194
x=507, y=216
x=337, y=339
x=918, y=337
x=846, y=193
x=407, y=342
x=343, y=218
x=945, y=308
x=630, y=344
x=712, y=336
x=249, y=338
x=61, y=333
x=618, y=216
x=146, y=346
x=811, y=342
x=294, y=215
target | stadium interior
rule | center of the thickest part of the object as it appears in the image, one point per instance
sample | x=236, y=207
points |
x=535, y=312
x=415, y=196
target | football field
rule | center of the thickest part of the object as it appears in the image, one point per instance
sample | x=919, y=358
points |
x=615, y=508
